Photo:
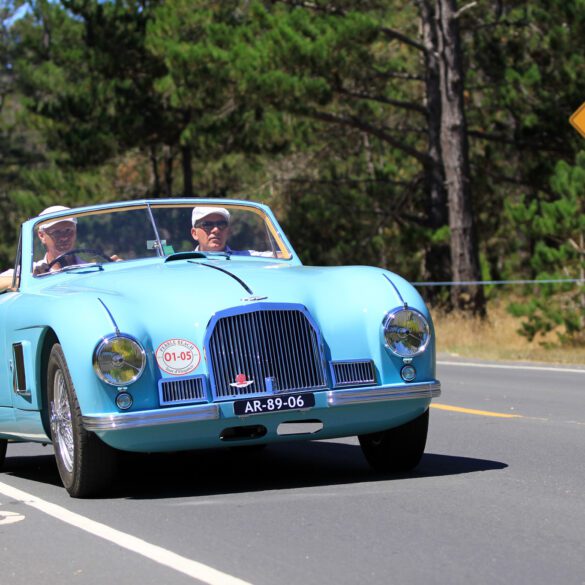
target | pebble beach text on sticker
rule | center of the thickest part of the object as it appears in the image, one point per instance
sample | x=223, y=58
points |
x=178, y=357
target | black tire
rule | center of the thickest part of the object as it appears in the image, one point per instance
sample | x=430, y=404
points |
x=86, y=464
x=3, y=444
x=397, y=450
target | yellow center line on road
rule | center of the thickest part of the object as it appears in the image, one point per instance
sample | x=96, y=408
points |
x=474, y=411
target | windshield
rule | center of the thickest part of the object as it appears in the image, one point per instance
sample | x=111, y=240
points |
x=147, y=231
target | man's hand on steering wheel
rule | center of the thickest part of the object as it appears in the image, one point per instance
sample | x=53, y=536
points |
x=75, y=251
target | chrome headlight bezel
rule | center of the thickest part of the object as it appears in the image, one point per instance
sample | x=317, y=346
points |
x=405, y=320
x=98, y=364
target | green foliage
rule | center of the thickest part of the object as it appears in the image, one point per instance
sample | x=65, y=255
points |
x=523, y=60
x=316, y=108
x=558, y=230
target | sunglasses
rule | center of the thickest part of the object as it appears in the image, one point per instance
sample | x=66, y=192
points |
x=209, y=225
x=64, y=233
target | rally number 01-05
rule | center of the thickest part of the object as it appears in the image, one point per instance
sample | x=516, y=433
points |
x=173, y=356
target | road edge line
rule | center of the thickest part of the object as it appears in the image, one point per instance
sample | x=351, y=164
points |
x=158, y=554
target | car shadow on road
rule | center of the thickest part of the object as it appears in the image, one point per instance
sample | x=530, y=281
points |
x=37, y=468
x=248, y=469
x=276, y=467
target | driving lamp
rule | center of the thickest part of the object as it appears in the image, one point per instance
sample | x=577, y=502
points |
x=119, y=360
x=408, y=373
x=407, y=332
x=124, y=401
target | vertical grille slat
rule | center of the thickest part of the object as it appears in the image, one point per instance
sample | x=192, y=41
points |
x=293, y=374
x=280, y=344
x=265, y=351
x=183, y=391
x=354, y=373
x=300, y=341
x=281, y=371
x=251, y=352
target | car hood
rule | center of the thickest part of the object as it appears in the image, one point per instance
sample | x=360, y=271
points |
x=159, y=301
x=215, y=285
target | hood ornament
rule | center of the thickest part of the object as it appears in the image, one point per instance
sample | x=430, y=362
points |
x=241, y=381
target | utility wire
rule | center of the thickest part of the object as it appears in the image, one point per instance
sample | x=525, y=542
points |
x=490, y=282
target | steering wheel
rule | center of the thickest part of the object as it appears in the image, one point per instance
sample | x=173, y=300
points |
x=79, y=251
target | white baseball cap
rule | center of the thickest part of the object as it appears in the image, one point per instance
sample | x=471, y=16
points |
x=53, y=209
x=200, y=212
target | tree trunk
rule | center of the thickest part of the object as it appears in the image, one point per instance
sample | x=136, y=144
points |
x=155, y=173
x=437, y=265
x=168, y=160
x=186, y=155
x=455, y=154
x=383, y=258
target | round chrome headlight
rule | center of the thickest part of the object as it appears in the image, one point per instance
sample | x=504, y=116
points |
x=407, y=332
x=119, y=360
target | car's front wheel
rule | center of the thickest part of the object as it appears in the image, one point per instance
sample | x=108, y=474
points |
x=399, y=449
x=3, y=443
x=86, y=464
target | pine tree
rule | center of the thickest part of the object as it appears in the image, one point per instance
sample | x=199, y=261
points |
x=558, y=228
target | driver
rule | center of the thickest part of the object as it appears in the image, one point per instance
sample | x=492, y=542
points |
x=58, y=237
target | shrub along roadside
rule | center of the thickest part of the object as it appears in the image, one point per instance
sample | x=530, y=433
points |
x=556, y=226
x=498, y=338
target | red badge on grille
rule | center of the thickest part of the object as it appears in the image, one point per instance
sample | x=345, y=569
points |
x=241, y=381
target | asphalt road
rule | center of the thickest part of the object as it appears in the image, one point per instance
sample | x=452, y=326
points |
x=499, y=497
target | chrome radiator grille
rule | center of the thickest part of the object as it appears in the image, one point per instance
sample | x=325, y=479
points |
x=353, y=373
x=265, y=351
x=181, y=391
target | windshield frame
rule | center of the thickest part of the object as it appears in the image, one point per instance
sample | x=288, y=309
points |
x=277, y=238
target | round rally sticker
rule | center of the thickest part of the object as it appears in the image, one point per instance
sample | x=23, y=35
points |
x=177, y=357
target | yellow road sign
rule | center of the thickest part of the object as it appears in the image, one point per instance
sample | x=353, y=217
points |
x=578, y=120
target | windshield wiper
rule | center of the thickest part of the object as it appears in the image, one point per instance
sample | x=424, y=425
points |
x=185, y=256
x=222, y=254
x=90, y=265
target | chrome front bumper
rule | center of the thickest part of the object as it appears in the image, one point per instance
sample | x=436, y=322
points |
x=151, y=418
x=208, y=412
x=383, y=393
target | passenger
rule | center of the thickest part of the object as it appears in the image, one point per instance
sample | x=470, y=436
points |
x=211, y=229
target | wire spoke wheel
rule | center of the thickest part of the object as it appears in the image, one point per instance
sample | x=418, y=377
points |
x=61, y=426
x=86, y=464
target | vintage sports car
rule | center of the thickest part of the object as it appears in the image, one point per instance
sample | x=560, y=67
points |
x=177, y=324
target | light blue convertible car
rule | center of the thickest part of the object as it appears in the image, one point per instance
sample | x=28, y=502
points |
x=176, y=324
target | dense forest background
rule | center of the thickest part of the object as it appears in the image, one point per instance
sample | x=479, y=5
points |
x=430, y=137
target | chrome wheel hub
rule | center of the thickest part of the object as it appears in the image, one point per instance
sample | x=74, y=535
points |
x=61, y=426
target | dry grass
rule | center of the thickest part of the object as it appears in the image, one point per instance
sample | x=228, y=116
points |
x=497, y=338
